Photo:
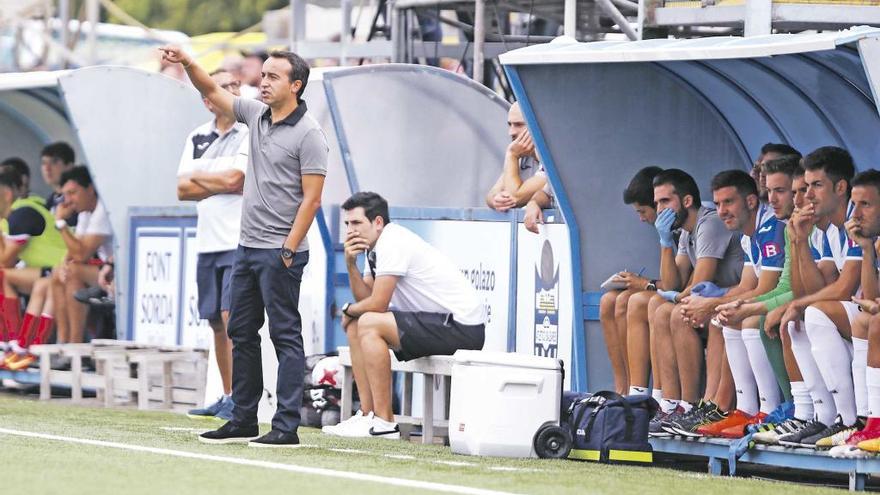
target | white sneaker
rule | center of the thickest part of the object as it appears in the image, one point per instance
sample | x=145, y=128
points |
x=349, y=424
x=847, y=452
x=384, y=429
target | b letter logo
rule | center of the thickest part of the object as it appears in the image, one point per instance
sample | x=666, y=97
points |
x=770, y=250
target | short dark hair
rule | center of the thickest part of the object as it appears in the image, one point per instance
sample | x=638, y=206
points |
x=740, y=179
x=870, y=177
x=373, y=205
x=780, y=148
x=299, y=69
x=10, y=178
x=17, y=164
x=59, y=151
x=787, y=164
x=79, y=174
x=836, y=162
x=640, y=189
x=681, y=181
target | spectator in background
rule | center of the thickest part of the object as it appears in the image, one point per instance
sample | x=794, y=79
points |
x=55, y=159
x=212, y=169
x=252, y=73
x=29, y=249
x=520, y=178
x=88, y=248
x=233, y=65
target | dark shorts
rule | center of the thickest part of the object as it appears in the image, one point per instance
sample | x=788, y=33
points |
x=434, y=334
x=213, y=273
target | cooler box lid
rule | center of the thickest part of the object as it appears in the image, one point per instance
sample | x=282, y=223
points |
x=506, y=359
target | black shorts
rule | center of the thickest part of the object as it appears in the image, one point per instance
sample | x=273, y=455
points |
x=434, y=334
x=213, y=274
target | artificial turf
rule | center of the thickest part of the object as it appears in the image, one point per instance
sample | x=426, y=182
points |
x=49, y=466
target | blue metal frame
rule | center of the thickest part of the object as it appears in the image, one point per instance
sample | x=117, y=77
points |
x=717, y=451
x=330, y=270
x=579, y=378
x=344, y=150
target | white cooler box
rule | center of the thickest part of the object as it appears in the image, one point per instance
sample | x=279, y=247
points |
x=499, y=401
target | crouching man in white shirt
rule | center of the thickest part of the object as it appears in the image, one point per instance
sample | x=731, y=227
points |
x=411, y=298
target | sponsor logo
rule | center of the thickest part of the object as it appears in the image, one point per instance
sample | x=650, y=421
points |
x=770, y=249
x=765, y=229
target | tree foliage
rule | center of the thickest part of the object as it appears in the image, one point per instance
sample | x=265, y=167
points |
x=195, y=17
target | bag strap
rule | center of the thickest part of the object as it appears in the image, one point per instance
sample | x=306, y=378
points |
x=627, y=411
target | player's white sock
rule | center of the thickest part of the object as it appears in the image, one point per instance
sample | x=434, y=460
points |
x=823, y=403
x=872, y=378
x=834, y=358
x=803, y=404
x=741, y=369
x=668, y=405
x=769, y=394
x=633, y=390
x=859, y=367
x=657, y=394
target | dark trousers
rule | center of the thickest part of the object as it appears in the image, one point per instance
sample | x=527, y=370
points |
x=260, y=281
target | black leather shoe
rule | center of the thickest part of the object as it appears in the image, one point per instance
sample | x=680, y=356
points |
x=276, y=439
x=231, y=433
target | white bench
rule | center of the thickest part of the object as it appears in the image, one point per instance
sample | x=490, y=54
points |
x=125, y=368
x=431, y=367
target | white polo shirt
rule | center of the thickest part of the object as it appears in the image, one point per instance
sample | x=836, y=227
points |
x=219, y=220
x=429, y=281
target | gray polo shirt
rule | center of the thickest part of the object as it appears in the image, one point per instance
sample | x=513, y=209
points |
x=280, y=154
x=711, y=239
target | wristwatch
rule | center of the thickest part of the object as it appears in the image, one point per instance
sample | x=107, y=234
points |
x=60, y=224
x=652, y=285
x=345, y=309
x=286, y=253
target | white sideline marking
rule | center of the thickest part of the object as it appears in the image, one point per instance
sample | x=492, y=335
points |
x=457, y=463
x=332, y=473
x=187, y=430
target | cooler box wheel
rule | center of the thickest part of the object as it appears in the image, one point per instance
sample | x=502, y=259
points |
x=552, y=442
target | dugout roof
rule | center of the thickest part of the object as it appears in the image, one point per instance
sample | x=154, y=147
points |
x=603, y=110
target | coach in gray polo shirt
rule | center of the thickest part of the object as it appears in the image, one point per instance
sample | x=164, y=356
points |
x=282, y=193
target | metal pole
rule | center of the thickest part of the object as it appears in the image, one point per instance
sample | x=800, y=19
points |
x=641, y=19
x=569, y=27
x=394, y=19
x=618, y=18
x=479, y=39
x=346, y=32
x=297, y=23
x=758, y=20
x=92, y=15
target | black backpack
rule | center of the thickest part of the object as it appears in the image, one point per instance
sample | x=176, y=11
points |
x=610, y=428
